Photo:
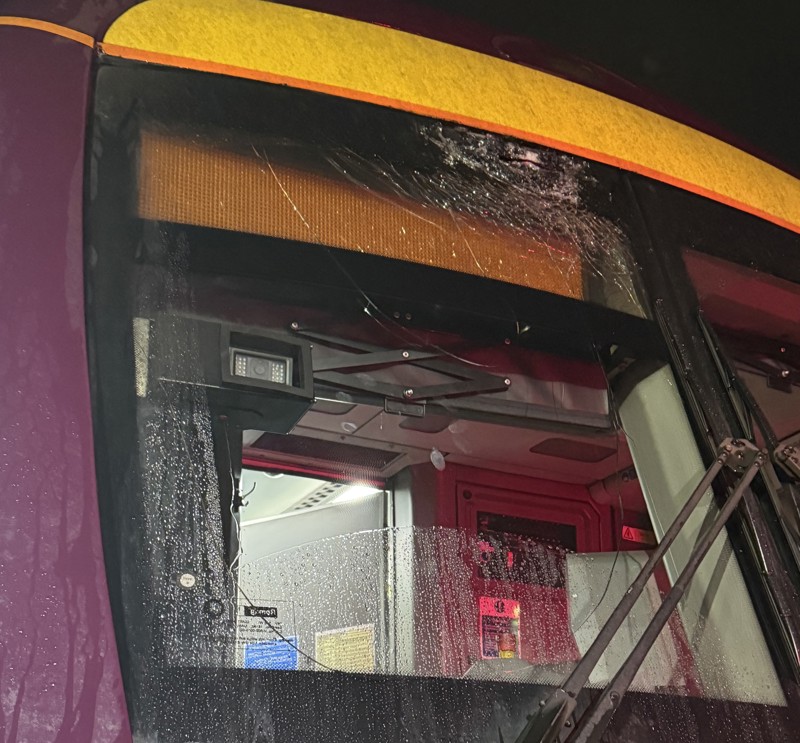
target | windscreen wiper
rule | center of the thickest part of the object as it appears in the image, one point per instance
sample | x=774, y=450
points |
x=553, y=719
x=787, y=456
x=784, y=496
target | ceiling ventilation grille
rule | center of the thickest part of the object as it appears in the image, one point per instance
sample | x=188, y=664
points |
x=323, y=494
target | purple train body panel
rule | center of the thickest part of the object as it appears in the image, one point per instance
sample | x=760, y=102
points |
x=58, y=657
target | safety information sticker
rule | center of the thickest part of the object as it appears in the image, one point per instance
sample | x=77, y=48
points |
x=499, y=627
x=265, y=635
x=272, y=655
x=348, y=648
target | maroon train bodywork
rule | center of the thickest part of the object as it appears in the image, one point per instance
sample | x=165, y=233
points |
x=58, y=658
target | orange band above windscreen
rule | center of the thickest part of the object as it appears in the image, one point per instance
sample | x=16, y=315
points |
x=306, y=49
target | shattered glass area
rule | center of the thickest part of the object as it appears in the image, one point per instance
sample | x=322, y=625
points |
x=539, y=194
x=470, y=202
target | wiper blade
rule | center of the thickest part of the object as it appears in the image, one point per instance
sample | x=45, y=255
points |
x=554, y=716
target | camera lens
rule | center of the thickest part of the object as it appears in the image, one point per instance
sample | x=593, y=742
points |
x=260, y=368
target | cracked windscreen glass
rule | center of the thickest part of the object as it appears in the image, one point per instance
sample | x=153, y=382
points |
x=392, y=432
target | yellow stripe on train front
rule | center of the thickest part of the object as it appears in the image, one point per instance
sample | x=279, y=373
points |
x=307, y=49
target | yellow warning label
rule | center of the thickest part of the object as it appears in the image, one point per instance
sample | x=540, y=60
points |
x=347, y=649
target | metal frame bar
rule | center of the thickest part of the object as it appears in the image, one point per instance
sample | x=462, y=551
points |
x=466, y=380
x=554, y=716
x=595, y=720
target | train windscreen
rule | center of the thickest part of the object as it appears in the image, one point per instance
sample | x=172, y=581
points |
x=392, y=430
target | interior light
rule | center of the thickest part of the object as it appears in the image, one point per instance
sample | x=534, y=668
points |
x=437, y=459
x=355, y=492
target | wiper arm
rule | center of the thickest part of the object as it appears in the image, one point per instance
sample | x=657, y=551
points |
x=553, y=718
x=785, y=498
x=787, y=454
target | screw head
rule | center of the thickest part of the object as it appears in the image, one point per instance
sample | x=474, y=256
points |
x=214, y=608
x=187, y=580
x=405, y=354
x=408, y=393
x=295, y=325
x=507, y=382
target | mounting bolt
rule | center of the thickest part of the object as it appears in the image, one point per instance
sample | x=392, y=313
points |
x=542, y=702
x=295, y=325
x=406, y=354
x=785, y=373
x=408, y=393
x=214, y=608
x=187, y=580
x=568, y=724
x=507, y=382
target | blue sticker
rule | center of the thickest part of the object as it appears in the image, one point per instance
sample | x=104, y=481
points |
x=272, y=655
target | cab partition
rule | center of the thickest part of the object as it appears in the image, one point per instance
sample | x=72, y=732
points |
x=459, y=571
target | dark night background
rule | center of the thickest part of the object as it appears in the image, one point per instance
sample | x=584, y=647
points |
x=734, y=63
